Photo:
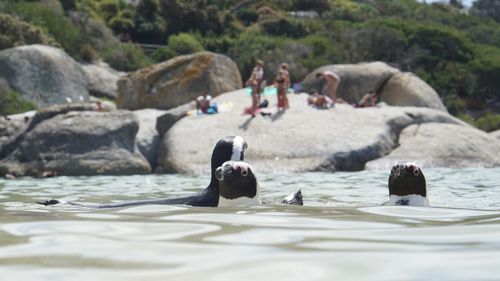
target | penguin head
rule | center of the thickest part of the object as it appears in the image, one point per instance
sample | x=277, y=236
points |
x=406, y=178
x=228, y=148
x=237, y=184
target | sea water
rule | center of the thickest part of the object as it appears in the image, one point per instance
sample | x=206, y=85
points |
x=341, y=233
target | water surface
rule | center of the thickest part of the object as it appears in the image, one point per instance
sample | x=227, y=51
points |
x=341, y=234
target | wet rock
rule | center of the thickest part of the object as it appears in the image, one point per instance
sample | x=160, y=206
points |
x=78, y=143
x=148, y=138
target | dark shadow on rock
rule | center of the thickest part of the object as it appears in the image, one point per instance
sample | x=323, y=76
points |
x=246, y=124
x=277, y=115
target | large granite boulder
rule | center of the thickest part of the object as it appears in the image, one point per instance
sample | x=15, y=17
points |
x=469, y=147
x=307, y=139
x=355, y=79
x=43, y=74
x=178, y=81
x=102, y=80
x=148, y=138
x=395, y=87
x=496, y=134
x=78, y=143
x=406, y=89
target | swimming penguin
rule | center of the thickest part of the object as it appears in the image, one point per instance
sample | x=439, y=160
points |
x=228, y=148
x=238, y=185
x=407, y=185
x=293, y=199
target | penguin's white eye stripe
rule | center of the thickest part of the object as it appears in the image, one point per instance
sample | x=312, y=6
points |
x=238, y=148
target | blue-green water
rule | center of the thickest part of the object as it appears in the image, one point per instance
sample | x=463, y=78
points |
x=342, y=233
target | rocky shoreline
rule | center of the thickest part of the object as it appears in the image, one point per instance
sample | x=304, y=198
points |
x=92, y=138
x=76, y=139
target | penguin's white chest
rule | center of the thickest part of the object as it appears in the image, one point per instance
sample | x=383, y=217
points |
x=407, y=200
x=241, y=201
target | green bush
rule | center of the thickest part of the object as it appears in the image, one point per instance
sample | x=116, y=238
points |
x=88, y=53
x=217, y=44
x=108, y=9
x=125, y=57
x=486, y=67
x=247, y=16
x=121, y=24
x=15, y=32
x=52, y=22
x=184, y=43
x=11, y=102
x=455, y=105
x=443, y=43
x=284, y=27
x=163, y=54
x=488, y=122
x=319, y=6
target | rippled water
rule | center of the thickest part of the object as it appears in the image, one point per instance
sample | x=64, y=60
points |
x=342, y=233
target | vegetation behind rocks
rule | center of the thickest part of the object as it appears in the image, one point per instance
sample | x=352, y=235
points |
x=452, y=48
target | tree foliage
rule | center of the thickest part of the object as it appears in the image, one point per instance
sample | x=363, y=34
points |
x=457, y=53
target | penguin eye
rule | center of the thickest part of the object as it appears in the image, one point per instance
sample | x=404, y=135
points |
x=244, y=173
x=416, y=171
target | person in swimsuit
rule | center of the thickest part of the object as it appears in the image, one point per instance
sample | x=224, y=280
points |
x=255, y=82
x=280, y=82
x=286, y=74
x=332, y=81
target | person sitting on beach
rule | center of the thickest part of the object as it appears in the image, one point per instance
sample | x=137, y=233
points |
x=203, y=104
x=332, y=81
x=319, y=101
x=368, y=100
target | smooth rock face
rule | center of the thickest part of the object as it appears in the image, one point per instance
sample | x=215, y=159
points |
x=355, y=79
x=167, y=120
x=307, y=139
x=496, y=134
x=178, y=81
x=79, y=143
x=102, y=80
x=148, y=138
x=443, y=145
x=406, y=89
x=43, y=74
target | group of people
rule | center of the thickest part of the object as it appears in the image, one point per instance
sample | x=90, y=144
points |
x=257, y=83
x=329, y=95
x=326, y=99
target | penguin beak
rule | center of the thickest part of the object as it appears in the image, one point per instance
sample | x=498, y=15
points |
x=219, y=174
x=396, y=170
